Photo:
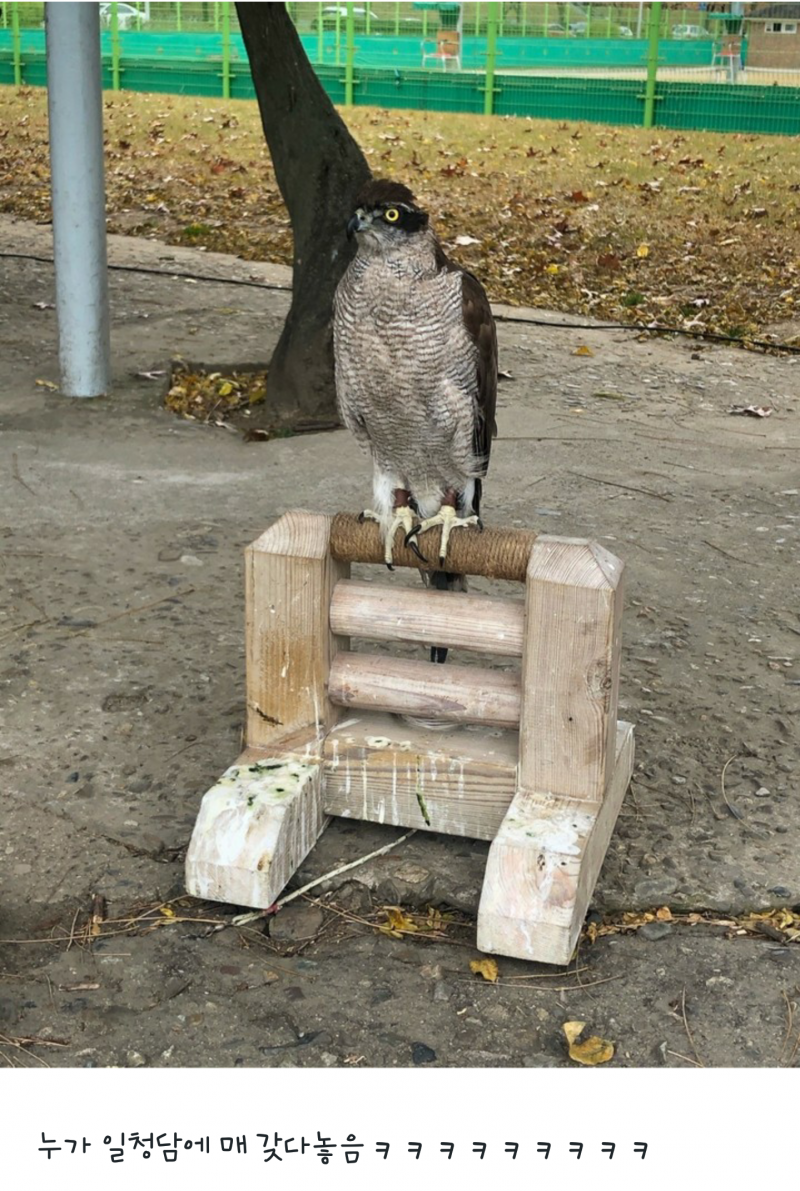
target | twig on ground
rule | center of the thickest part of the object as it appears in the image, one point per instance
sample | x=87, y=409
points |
x=17, y=476
x=241, y=919
x=736, y=814
x=133, y=611
x=685, y=1058
x=745, y=561
x=688, y=1031
x=626, y=487
x=71, y=939
x=789, y=1023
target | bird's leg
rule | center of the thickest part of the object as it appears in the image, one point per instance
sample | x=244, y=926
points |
x=403, y=517
x=449, y=520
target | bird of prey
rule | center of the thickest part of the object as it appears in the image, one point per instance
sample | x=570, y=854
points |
x=415, y=348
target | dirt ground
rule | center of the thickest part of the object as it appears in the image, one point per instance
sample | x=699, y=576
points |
x=121, y=666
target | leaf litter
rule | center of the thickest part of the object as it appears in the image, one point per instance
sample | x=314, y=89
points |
x=695, y=230
x=212, y=397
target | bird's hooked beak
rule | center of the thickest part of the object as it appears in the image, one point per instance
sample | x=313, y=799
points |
x=362, y=219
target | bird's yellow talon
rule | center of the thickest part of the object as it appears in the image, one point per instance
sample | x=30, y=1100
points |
x=449, y=520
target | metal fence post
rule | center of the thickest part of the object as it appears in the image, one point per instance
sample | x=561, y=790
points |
x=350, y=53
x=320, y=33
x=477, y=18
x=15, y=34
x=115, y=47
x=226, y=50
x=491, y=57
x=653, y=26
x=178, y=26
x=397, y=18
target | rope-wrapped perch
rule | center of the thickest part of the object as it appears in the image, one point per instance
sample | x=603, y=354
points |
x=492, y=553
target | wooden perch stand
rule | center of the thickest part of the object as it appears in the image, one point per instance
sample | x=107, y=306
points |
x=540, y=772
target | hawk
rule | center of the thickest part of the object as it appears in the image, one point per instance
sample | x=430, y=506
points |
x=415, y=348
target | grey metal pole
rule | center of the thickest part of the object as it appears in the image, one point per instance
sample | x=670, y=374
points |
x=75, y=110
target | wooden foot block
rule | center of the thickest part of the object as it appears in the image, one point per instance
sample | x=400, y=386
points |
x=255, y=827
x=379, y=767
x=543, y=866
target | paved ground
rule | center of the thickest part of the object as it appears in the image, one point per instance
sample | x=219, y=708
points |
x=121, y=664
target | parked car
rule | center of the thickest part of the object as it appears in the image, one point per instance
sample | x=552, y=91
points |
x=625, y=31
x=689, y=32
x=128, y=16
x=578, y=28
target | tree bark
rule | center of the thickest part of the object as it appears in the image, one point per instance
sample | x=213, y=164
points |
x=319, y=169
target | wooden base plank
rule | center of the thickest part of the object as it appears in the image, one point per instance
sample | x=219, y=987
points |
x=543, y=865
x=380, y=768
x=254, y=829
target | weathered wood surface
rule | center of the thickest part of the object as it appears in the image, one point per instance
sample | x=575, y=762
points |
x=255, y=827
x=379, y=768
x=456, y=694
x=457, y=620
x=289, y=578
x=570, y=668
x=543, y=866
x=494, y=553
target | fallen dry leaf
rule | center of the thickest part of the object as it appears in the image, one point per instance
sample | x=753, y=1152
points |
x=643, y=250
x=46, y=384
x=583, y=350
x=592, y=1051
x=751, y=411
x=486, y=968
x=397, y=923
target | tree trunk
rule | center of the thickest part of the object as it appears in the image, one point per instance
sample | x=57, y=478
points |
x=319, y=169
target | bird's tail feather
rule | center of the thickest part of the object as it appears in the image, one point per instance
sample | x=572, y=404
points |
x=445, y=581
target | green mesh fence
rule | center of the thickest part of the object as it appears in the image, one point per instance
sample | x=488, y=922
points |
x=717, y=67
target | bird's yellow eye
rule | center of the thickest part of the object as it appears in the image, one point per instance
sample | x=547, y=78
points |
x=391, y=215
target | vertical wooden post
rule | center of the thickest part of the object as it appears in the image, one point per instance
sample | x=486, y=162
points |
x=289, y=578
x=570, y=669
x=575, y=762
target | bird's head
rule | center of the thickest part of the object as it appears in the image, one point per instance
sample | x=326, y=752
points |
x=385, y=215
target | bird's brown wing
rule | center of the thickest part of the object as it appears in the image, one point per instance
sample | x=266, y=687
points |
x=479, y=323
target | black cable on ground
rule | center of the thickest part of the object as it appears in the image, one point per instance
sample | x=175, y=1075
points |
x=639, y=328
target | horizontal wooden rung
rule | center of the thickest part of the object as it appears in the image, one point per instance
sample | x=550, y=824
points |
x=455, y=619
x=454, y=694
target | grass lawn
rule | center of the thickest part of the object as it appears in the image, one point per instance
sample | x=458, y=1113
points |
x=694, y=229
